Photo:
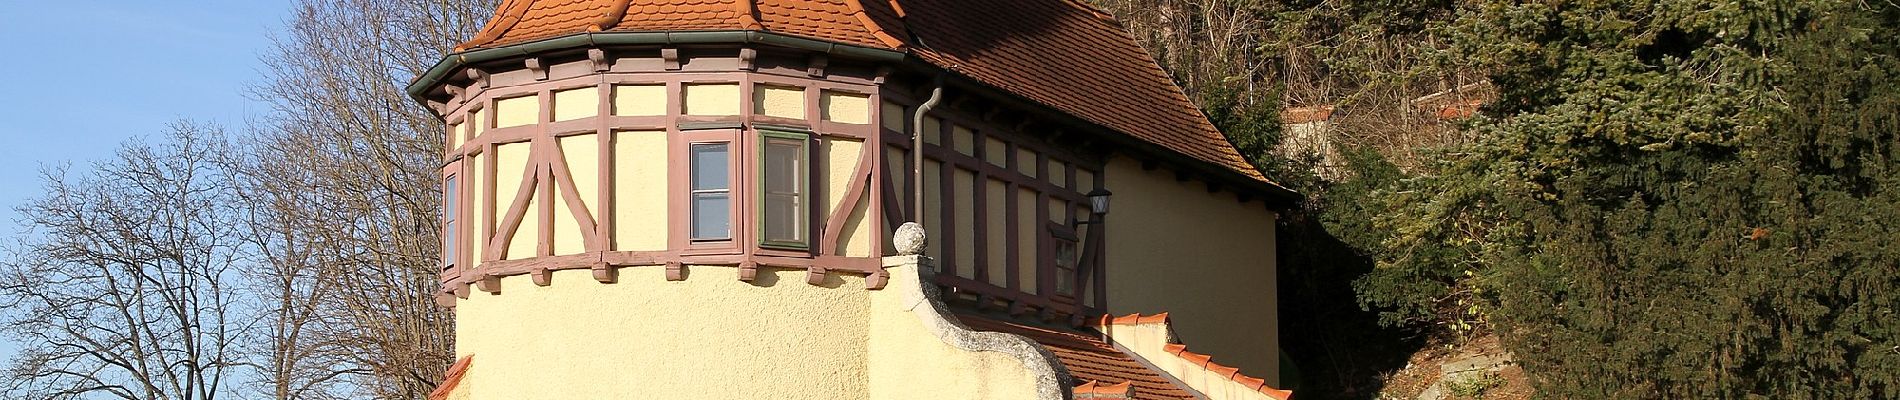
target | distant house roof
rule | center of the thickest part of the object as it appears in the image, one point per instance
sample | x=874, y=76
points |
x=1060, y=53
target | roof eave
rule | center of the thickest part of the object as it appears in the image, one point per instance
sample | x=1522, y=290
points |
x=429, y=80
x=1276, y=196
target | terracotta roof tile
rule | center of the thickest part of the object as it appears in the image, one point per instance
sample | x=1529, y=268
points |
x=1088, y=358
x=1063, y=54
x=451, y=378
x=1202, y=360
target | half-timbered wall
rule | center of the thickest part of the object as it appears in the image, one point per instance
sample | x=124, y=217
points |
x=997, y=202
x=581, y=164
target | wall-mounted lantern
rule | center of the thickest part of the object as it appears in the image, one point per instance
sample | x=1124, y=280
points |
x=1098, y=205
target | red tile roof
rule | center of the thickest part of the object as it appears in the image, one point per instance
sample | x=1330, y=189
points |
x=1063, y=54
x=1088, y=358
x=1203, y=360
x=451, y=378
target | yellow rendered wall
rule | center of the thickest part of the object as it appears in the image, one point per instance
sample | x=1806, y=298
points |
x=1028, y=233
x=639, y=100
x=1205, y=258
x=517, y=111
x=933, y=207
x=712, y=99
x=908, y=361
x=847, y=108
x=480, y=119
x=963, y=183
x=892, y=116
x=576, y=103
x=779, y=101
x=454, y=135
x=710, y=336
x=855, y=239
x=996, y=237
x=511, y=162
x=478, y=206
x=640, y=191
x=582, y=153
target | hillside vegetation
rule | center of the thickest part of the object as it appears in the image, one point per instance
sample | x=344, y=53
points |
x=1657, y=199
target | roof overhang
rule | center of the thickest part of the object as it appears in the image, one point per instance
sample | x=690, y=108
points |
x=1275, y=195
x=429, y=80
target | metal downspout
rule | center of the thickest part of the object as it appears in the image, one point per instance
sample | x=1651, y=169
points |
x=917, y=149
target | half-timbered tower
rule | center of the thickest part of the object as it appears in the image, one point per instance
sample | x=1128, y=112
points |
x=698, y=199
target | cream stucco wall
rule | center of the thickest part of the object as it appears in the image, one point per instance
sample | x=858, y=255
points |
x=843, y=157
x=582, y=153
x=779, y=101
x=479, y=219
x=576, y=103
x=517, y=111
x=909, y=359
x=1205, y=258
x=712, y=99
x=639, y=100
x=845, y=107
x=711, y=336
x=640, y=185
x=511, y=168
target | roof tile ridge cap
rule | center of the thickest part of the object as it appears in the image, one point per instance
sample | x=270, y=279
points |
x=748, y=15
x=1233, y=374
x=615, y=13
x=451, y=378
x=1178, y=93
x=897, y=8
x=505, y=19
x=1100, y=14
x=1135, y=319
x=877, y=31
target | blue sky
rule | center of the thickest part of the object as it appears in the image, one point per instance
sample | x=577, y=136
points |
x=79, y=77
x=82, y=76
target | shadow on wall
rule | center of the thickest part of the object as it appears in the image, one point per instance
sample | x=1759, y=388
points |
x=1336, y=349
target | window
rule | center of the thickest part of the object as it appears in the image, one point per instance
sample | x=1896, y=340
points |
x=783, y=171
x=1062, y=241
x=711, y=191
x=449, y=206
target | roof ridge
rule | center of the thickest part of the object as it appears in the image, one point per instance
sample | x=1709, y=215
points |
x=877, y=31
x=614, y=15
x=749, y=15
x=507, y=14
x=451, y=378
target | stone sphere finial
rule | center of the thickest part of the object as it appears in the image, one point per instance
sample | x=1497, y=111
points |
x=909, y=239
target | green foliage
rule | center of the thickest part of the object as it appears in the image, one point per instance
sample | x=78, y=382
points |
x=1254, y=128
x=1473, y=386
x=1669, y=199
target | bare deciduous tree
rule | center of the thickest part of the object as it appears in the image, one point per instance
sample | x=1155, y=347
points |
x=127, y=289
x=343, y=179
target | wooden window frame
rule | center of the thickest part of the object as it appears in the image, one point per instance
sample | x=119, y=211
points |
x=451, y=217
x=805, y=187
x=1056, y=235
x=736, y=190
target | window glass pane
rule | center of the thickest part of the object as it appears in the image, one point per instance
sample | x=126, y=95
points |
x=782, y=170
x=782, y=218
x=449, y=198
x=712, y=216
x=710, y=166
x=782, y=166
x=448, y=244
